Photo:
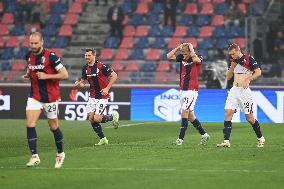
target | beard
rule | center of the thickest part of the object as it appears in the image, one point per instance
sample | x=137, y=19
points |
x=36, y=50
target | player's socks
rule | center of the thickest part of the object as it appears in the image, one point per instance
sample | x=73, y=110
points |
x=98, y=129
x=32, y=139
x=107, y=118
x=184, y=124
x=227, y=129
x=58, y=137
x=198, y=126
x=256, y=129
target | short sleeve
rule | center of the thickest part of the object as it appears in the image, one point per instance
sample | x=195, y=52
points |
x=84, y=74
x=179, y=57
x=55, y=61
x=106, y=70
x=253, y=64
x=27, y=56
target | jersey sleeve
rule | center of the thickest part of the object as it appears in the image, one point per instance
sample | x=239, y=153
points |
x=84, y=74
x=27, y=56
x=179, y=57
x=253, y=64
x=55, y=61
x=106, y=70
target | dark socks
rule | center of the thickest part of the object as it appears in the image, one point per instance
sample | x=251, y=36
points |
x=32, y=139
x=198, y=126
x=106, y=118
x=58, y=137
x=98, y=129
x=184, y=124
x=256, y=129
x=227, y=130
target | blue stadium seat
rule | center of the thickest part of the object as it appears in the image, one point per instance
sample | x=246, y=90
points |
x=241, y=31
x=203, y=53
x=136, y=20
x=50, y=30
x=168, y=31
x=203, y=20
x=22, y=53
x=222, y=8
x=193, y=31
x=219, y=32
x=18, y=30
x=222, y=43
x=207, y=43
x=155, y=31
x=112, y=42
x=159, y=43
x=6, y=66
x=55, y=19
x=154, y=19
x=59, y=8
x=186, y=20
x=127, y=7
x=7, y=54
x=148, y=67
x=142, y=43
x=157, y=8
x=61, y=42
x=10, y=5
x=137, y=54
x=232, y=32
x=47, y=42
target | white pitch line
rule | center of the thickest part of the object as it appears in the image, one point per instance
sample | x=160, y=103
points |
x=131, y=124
x=147, y=169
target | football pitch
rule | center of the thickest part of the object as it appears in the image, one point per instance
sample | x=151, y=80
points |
x=142, y=155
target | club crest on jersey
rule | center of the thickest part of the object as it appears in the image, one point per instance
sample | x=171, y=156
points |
x=186, y=63
x=94, y=74
x=42, y=59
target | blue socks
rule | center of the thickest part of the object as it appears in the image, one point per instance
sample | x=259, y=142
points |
x=227, y=130
x=32, y=139
x=184, y=124
x=256, y=129
x=58, y=137
x=98, y=129
x=198, y=126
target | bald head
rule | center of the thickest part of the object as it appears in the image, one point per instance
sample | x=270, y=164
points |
x=36, y=42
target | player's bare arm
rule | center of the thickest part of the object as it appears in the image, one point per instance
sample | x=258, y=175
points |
x=112, y=79
x=26, y=77
x=230, y=72
x=255, y=75
x=80, y=84
x=171, y=55
x=61, y=74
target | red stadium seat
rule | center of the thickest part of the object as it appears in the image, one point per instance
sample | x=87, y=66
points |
x=121, y=54
x=247, y=1
x=218, y=20
x=57, y=51
x=241, y=42
x=117, y=66
x=19, y=65
x=163, y=66
x=174, y=42
x=191, y=9
x=127, y=42
x=66, y=30
x=13, y=41
x=76, y=8
x=207, y=9
x=142, y=31
x=2, y=43
x=8, y=18
x=13, y=75
x=132, y=67
x=4, y=30
x=206, y=31
x=25, y=42
x=125, y=21
x=34, y=27
x=1, y=7
x=129, y=31
x=153, y=54
x=142, y=8
x=161, y=77
x=106, y=54
x=180, y=31
x=123, y=77
x=71, y=19
x=81, y=1
x=204, y=1
x=218, y=1
x=243, y=8
x=193, y=41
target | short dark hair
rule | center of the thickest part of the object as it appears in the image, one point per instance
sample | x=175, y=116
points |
x=93, y=50
x=233, y=46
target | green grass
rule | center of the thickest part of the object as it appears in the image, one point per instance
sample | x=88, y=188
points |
x=143, y=156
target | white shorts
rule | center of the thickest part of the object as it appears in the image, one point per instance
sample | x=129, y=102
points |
x=50, y=109
x=188, y=99
x=238, y=96
x=96, y=105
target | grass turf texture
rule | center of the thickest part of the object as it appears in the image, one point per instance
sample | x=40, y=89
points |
x=143, y=156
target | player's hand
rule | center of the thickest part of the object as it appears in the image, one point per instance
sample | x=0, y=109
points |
x=246, y=83
x=25, y=77
x=104, y=91
x=233, y=65
x=42, y=75
x=79, y=84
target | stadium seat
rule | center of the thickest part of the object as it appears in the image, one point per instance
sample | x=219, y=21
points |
x=50, y=30
x=157, y=8
x=2, y=42
x=219, y=31
x=25, y=42
x=207, y=9
x=142, y=8
x=76, y=8
x=4, y=30
x=5, y=66
x=57, y=51
x=193, y=41
x=206, y=43
x=8, y=18
x=222, y=43
x=112, y=42
x=123, y=77
x=127, y=42
x=243, y=8
x=70, y=19
x=7, y=54
x=203, y=53
x=204, y=1
x=127, y=7
x=180, y=31
x=155, y=31
x=206, y=31
x=18, y=30
x=66, y=30
x=159, y=43
x=121, y=54
x=106, y=54
x=163, y=66
x=193, y=31
x=13, y=75
x=148, y=67
x=55, y=19
x=129, y=31
x=218, y=1
x=186, y=20
x=161, y=78
x=60, y=42
x=13, y=41
x=153, y=54
x=137, y=54
x=141, y=31
x=222, y=8
x=154, y=19
x=19, y=65
x=232, y=32
x=174, y=42
x=22, y=53
x=137, y=19
x=168, y=31
x=218, y=20
x=191, y=9
x=203, y=20
x=125, y=20
x=117, y=66
x=1, y=7
x=142, y=43
x=132, y=67
x=241, y=42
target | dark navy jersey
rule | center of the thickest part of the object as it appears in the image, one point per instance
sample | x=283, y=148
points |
x=97, y=76
x=48, y=62
x=247, y=61
x=189, y=72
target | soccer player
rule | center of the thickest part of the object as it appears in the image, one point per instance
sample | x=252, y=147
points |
x=101, y=78
x=244, y=69
x=44, y=72
x=190, y=65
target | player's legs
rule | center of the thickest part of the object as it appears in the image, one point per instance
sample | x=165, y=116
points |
x=256, y=127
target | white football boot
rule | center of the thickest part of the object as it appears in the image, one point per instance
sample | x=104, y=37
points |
x=225, y=144
x=115, y=116
x=204, y=139
x=103, y=141
x=59, y=160
x=34, y=161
